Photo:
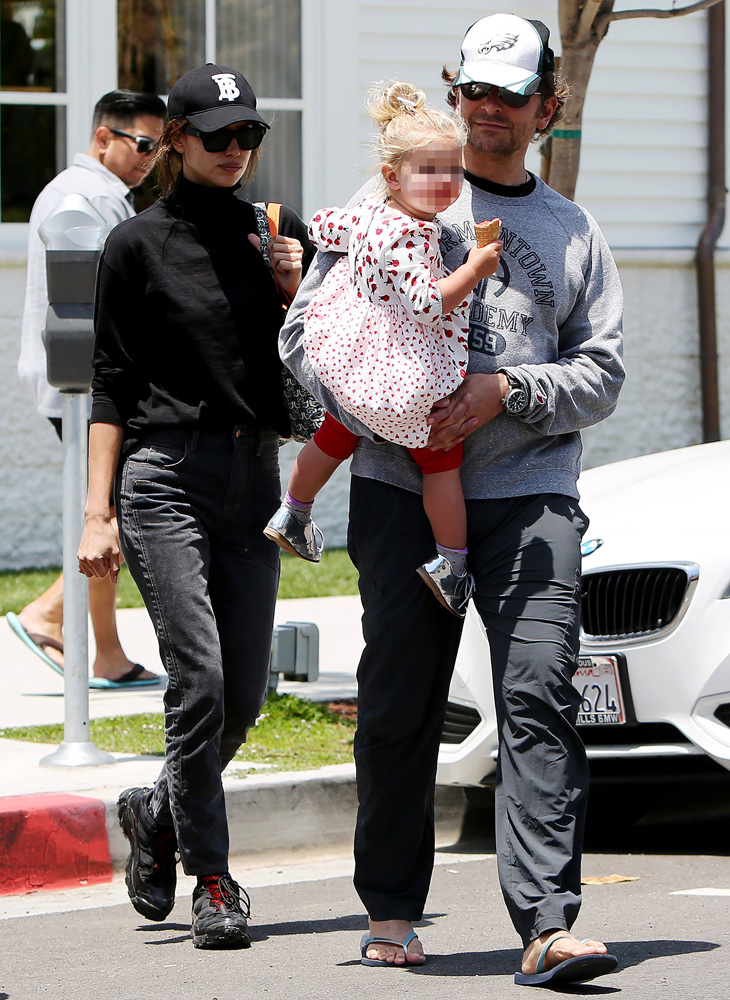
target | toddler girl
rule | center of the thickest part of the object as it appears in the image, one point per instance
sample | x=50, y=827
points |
x=387, y=330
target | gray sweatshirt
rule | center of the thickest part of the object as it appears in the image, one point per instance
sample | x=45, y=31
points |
x=550, y=316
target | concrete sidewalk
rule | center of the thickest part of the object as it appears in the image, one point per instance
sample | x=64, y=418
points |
x=33, y=693
x=58, y=826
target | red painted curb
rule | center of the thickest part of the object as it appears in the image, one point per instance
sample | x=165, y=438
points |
x=52, y=842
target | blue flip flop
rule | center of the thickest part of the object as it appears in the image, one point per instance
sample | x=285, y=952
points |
x=367, y=941
x=573, y=970
x=128, y=680
x=36, y=643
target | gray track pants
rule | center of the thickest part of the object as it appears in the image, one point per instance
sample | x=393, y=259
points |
x=524, y=552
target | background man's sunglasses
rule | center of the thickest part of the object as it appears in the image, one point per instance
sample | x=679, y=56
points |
x=478, y=91
x=145, y=145
x=248, y=137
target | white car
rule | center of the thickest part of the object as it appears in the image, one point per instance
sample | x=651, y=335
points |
x=655, y=623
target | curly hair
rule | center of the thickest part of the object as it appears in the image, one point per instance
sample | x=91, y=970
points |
x=551, y=85
x=168, y=162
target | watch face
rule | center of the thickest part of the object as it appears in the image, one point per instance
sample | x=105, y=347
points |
x=515, y=401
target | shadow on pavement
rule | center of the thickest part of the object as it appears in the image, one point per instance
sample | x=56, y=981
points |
x=505, y=961
x=165, y=927
x=261, y=932
x=677, y=811
x=636, y=952
x=349, y=922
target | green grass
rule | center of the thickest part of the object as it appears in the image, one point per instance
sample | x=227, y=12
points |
x=292, y=735
x=335, y=575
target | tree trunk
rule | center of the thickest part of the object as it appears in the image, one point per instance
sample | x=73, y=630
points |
x=576, y=65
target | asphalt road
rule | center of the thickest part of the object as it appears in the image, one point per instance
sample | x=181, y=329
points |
x=670, y=927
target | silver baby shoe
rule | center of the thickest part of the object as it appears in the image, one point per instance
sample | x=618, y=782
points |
x=453, y=591
x=305, y=540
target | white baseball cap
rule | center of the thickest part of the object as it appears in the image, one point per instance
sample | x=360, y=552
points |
x=507, y=51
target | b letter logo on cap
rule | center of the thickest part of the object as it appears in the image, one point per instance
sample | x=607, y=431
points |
x=227, y=86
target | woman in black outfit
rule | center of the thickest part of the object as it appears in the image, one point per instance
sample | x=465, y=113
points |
x=187, y=414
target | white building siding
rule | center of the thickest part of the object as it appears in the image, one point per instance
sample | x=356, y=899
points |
x=644, y=139
x=30, y=453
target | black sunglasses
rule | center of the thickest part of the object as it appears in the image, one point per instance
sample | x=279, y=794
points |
x=478, y=91
x=248, y=137
x=145, y=145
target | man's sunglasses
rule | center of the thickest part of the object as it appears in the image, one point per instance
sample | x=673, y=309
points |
x=478, y=91
x=145, y=145
x=248, y=137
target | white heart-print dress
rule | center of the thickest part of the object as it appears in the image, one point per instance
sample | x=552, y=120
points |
x=374, y=331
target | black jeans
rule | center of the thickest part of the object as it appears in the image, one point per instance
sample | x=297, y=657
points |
x=191, y=512
x=525, y=555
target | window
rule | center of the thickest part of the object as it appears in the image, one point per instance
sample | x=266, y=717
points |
x=159, y=40
x=57, y=57
x=262, y=38
x=32, y=101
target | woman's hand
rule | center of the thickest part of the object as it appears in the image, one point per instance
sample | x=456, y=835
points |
x=477, y=401
x=98, y=552
x=285, y=254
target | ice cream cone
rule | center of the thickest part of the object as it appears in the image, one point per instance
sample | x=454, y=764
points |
x=487, y=232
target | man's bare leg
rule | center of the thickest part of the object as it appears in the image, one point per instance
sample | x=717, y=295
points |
x=111, y=661
x=44, y=616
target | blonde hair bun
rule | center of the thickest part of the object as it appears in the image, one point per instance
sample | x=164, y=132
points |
x=386, y=103
x=406, y=122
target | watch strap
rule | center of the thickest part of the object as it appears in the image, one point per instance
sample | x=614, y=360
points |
x=513, y=383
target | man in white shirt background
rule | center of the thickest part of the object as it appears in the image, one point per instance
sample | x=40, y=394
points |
x=126, y=127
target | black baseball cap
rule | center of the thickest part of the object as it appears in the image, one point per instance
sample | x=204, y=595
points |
x=212, y=97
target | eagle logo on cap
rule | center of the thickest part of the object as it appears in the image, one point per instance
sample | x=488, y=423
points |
x=498, y=44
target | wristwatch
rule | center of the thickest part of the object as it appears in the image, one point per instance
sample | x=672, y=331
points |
x=516, y=399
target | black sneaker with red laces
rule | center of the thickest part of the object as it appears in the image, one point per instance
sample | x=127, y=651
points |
x=219, y=920
x=150, y=873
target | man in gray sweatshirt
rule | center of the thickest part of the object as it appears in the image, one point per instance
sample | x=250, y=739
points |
x=544, y=362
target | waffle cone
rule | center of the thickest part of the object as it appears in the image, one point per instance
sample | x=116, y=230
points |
x=487, y=232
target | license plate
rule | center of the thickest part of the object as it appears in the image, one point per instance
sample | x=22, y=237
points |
x=598, y=683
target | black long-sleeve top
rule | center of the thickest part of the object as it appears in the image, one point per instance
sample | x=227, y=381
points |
x=187, y=318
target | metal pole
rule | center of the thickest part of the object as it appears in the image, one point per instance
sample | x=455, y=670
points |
x=705, y=256
x=77, y=748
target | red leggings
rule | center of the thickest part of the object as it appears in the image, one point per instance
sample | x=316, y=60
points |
x=336, y=441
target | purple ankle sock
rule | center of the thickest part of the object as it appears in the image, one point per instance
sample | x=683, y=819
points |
x=457, y=558
x=301, y=509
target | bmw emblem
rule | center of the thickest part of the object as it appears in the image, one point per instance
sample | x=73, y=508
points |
x=588, y=548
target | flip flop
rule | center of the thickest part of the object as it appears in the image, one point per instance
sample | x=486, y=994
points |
x=572, y=970
x=36, y=643
x=128, y=680
x=367, y=941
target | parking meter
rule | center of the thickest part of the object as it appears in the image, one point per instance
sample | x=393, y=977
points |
x=74, y=234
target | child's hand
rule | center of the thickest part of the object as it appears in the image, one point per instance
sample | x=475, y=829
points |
x=480, y=263
x=485, y=260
